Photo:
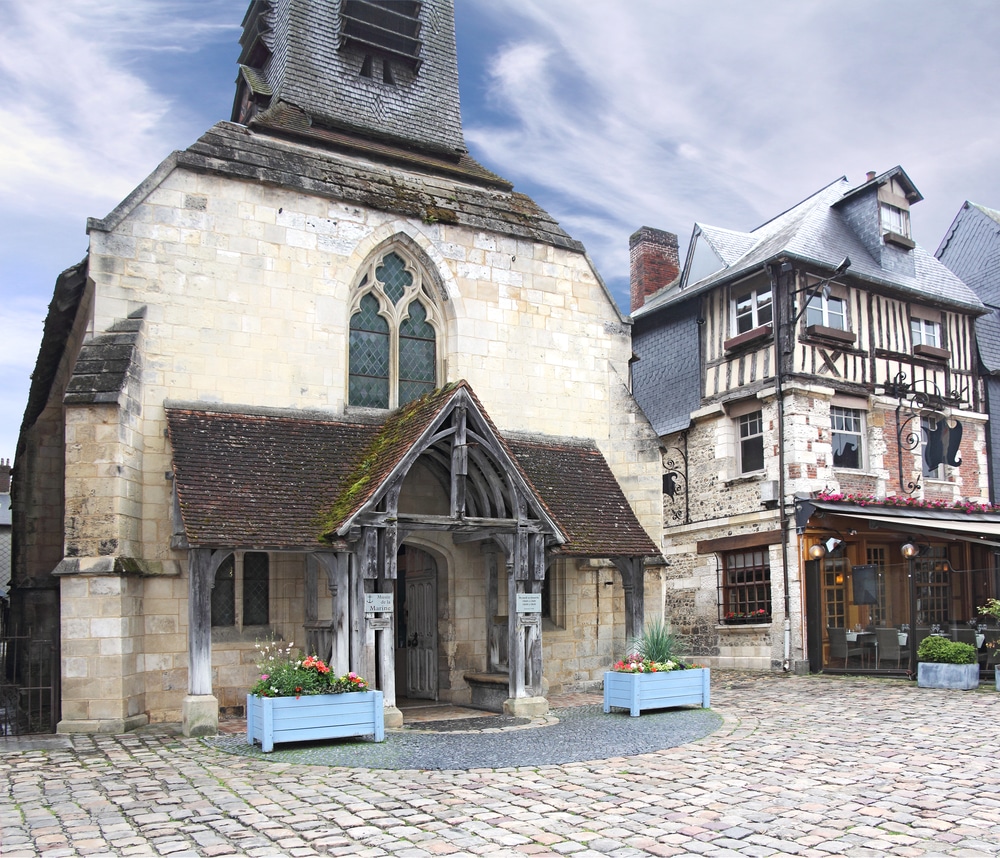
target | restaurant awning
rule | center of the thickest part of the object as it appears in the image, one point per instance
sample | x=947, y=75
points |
x=982, y=528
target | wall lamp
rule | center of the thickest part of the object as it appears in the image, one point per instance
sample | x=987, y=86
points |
x=817, y=551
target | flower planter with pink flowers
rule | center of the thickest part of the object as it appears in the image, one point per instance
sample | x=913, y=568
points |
x=657, y=690
x=271, y=720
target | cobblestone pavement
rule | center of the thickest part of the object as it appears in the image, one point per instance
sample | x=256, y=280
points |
x=806, y=766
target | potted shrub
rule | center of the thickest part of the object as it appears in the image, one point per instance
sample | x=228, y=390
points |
x=653, y=675
x=298, y=699
x=992, y=609
x=942, y=663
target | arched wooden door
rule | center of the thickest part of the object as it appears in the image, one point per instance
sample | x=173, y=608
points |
x=417, y=593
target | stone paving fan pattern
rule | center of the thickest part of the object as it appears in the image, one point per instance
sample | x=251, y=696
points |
x=805, y=766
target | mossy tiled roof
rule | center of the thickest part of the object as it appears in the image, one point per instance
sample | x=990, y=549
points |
x=267, y=480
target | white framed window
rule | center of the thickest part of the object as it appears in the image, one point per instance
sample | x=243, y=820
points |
x=828, y=311
x=848, y=434
x=895, y=219
x=751, y=309
x=751, y=449
x=925, y=332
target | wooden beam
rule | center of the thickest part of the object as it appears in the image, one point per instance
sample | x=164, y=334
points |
x=738, y=543
x=459, y=463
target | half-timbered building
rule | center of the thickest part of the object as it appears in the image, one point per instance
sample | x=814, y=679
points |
x=816, y=386
x=324, y=377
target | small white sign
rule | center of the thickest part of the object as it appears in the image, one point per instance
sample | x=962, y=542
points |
x=378, y=603
x=529, y=603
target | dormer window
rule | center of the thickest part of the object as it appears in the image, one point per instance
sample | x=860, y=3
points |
x=895, y=219
x=895, y=225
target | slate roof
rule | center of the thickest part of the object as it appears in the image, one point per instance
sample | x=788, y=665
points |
x=257, y=478
x=971, y=249
x=359, y=172
x=815, y=232
x=66, y=298
x=106, y=363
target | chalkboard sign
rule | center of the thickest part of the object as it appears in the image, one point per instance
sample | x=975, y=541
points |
x=865, y=580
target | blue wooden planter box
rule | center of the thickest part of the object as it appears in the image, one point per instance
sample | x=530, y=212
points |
x=271, y=720
x=638, y=691
x=962, y=677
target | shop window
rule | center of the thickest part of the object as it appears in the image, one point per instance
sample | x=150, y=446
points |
x=933, y=587
x=746, y=586
x=880, y=612
x=836, y=569
x=847, y=426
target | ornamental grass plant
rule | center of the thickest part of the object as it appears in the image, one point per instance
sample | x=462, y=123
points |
x=284, y=674
x=655, y=650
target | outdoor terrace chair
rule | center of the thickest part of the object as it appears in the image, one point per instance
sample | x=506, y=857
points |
x=839, y=647
x=886, y=646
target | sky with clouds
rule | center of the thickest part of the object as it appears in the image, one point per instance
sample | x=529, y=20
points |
x=612, y=115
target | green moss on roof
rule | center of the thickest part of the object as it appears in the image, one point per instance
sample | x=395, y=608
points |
x=378, y=460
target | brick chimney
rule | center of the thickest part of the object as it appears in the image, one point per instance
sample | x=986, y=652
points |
x=4, y=476
x=653, y=262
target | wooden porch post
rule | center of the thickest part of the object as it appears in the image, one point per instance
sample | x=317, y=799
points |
x=524, y=647
x=336, y=566
x=631, y=569
x=200, y=708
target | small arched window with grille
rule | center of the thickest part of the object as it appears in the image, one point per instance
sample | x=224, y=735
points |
x=395, y=334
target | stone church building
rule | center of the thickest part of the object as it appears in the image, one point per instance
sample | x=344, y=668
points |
x=322, y=376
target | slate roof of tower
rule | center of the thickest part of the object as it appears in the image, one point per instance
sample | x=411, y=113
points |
x=312, y=68
x=387, y=179
x=815, y=232
x=258, y=478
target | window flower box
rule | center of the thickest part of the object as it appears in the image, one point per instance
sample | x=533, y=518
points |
x=658, y=690
x=744, y=618
x=762, y=332
x=836, y=334
x=271, y=720
x=931, y=352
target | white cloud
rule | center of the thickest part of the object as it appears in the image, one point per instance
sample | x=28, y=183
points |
x=644, y=112
x=79, y=122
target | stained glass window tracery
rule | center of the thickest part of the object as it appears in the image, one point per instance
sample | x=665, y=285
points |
x=394, y=335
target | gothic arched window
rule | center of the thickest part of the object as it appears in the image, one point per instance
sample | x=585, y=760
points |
x=394, y=335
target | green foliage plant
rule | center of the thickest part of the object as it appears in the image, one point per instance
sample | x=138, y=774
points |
x=934, y=649
x=286, y=674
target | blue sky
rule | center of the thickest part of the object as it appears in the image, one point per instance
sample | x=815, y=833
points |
x=612, y=115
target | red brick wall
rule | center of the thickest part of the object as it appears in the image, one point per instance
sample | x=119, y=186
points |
x=654, y=262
